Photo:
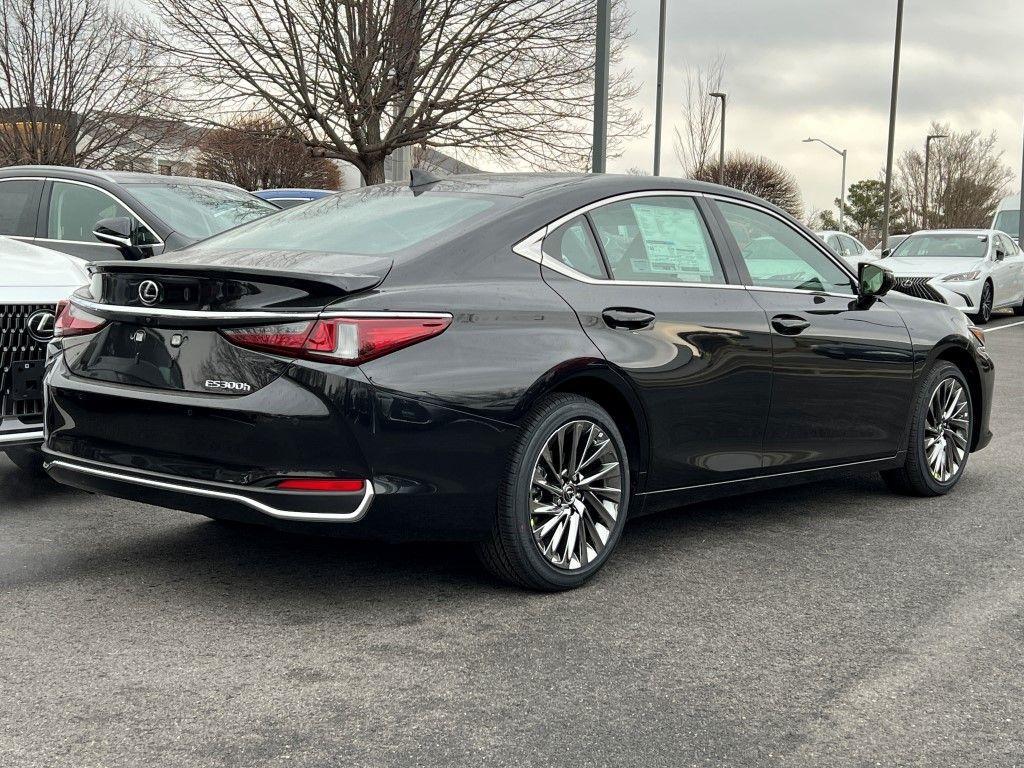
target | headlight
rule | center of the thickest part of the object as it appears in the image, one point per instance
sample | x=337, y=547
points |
x=962, y=277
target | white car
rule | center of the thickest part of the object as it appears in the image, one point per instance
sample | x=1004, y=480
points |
x=852, y=250
x=32, y=281
x=974, y=270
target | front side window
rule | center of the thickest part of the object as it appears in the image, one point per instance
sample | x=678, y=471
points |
x=657, y=239
x=833, y=243
x=778, y=256
x=75, y=209
x=19, y=204
x=573, y=245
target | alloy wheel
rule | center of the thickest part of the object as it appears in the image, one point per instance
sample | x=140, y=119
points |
x=575, y=494
x=986, y=302
x=947, y=430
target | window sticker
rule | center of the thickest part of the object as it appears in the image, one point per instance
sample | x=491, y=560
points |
x=674, y=241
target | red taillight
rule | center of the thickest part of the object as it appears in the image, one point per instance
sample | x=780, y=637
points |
x=349, y=339
x=321, y=485
x=74, y=321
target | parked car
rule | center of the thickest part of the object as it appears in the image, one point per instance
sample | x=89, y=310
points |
x=33, y=281
x=520, y=360
x=1007, y=218
x=974, y=270
x=97, y=215
x=289, y=198
x=879, y=252
x=852, y=250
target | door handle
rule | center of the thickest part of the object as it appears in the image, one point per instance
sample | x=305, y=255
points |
x=630, y=319
x=789, y=325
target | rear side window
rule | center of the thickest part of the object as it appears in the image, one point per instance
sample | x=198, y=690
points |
x=657, y=239
x=573, y=245
x=851, y=246
x=19, y=204
x=372, y=221
x=75, y=209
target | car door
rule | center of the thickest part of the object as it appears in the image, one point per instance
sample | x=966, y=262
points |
x=1006, y=271
x=70, y=214
x=651, y=290
x=842, y=368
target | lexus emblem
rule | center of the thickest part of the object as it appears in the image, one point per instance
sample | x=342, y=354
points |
x=149, y=292
x=40, y=325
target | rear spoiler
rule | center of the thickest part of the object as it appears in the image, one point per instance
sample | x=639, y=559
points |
x=325, y=284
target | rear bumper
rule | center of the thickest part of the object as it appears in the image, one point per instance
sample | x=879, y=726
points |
x=209, y=498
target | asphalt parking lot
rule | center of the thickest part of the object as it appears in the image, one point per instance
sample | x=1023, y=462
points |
x=832, y=624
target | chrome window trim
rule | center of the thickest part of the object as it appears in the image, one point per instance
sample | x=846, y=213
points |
x=159, y=240
x=266, y=509
x=814, y=241
x=530, y=247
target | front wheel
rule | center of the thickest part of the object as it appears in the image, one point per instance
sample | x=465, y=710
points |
x=940, y=436
x=984, y=313
x=564, y=499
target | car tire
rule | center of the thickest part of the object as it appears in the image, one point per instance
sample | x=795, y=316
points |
x=919, y=475
x=536, y=517
x=984, y=313
x=1019, y=308
x=28, y=460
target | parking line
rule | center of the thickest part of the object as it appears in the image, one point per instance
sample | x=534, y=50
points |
x=1001, y=327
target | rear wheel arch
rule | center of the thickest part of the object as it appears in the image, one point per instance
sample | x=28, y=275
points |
x=613, y=393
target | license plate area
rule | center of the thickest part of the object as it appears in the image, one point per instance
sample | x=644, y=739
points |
x=27, y=380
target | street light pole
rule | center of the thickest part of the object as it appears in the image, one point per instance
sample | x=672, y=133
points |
x=842, y=190
x=600, y=144
x=721, y=143
x=892, y=121
x=661, y=92
x=927, y=166
x=1020, y=205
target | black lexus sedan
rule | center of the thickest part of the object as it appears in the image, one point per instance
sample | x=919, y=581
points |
x=118, y=214
x=524, y=361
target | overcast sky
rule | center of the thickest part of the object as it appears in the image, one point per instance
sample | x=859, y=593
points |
x=799, y=68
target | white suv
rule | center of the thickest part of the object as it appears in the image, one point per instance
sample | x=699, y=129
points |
x=32, y=281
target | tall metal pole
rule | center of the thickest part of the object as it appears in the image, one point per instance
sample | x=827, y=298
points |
x=842, y=197
x=927, y=166
x=1020, y=205
x=892, y=122
x=600, y=144
x=661, y=92
x=721, y=143
x=842, y=192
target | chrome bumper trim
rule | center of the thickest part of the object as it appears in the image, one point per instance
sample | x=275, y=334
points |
x=266, y=509
x=17, y=438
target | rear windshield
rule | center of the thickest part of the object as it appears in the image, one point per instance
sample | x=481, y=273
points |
x=372, y=221
x=975, y=246
x=201, y=210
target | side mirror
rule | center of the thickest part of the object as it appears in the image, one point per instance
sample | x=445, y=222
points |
x=116, y=231
x=1000, y=254
x=874, y=280
x=886, y=252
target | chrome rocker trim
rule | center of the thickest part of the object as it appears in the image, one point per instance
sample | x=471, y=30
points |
x=20, y=438
x=266, y=509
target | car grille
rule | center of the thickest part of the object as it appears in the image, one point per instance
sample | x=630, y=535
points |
x=17, y=346
x=918, y=286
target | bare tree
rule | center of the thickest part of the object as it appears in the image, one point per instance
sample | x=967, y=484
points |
x=257, y=153
x=697, y=142
x=966, y=179
x=759, y=176
x=79, y=83
x=361, y=78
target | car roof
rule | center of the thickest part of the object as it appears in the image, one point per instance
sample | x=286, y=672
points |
x=978, y=231
x=113, y=177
